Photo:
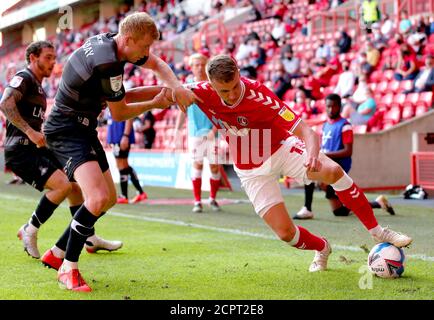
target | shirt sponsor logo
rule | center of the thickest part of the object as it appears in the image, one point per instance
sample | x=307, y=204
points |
x=286, y=114
x=116, y=83
x=16, y=81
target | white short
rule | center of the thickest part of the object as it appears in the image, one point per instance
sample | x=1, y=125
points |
x=201, y=147
x=262, y=184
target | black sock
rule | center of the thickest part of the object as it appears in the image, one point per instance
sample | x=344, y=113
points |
x=308, y=195
x=43, y=211
x=124, y=182
x=341, y=211
x=92, y=231
x=74, y=209
x=63, y=240
x=81, y=229
x=135, y=179
x=374, y=205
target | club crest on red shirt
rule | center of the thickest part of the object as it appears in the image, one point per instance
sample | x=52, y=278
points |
x=242, y=121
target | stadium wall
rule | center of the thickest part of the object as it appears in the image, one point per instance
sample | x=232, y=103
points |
x=382, y=160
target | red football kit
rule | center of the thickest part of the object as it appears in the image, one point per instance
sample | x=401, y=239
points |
x=254, y=127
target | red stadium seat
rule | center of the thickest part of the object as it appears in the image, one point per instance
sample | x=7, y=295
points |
x=392, y=116
x=413, y=98
x=388, y=74
x=393, y=86
x=375, y=76
x=421, y=108
x=385, y=102
x=405, y=85
x=398, y=100
x=360, y=129
x=427, y=98
x=407, y=112
x=382, y=87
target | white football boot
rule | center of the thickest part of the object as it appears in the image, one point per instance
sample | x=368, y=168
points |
x=319, y=262
x=397, y=239
x=303, y=214
x=95, y=243
x=30, y=242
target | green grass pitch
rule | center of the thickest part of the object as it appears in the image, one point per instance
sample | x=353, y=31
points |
x=170, y=253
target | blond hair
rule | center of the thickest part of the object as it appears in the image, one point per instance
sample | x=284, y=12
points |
x=137, y=25
x=195, y=56
x=221, y=68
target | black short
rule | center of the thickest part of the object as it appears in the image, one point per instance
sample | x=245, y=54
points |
x=75, y=149
x=118, y=153
x=35, y=166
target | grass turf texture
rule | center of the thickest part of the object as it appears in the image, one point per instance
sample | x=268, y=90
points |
x=162, y=260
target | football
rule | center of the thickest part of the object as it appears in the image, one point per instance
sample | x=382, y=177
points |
x=386, y=261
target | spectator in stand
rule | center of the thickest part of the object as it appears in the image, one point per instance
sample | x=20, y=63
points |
x=417, y=39
x=404, y=24
x=347, y=79
x=370, y=13
x=269, y=44
x=281, y=80
x=311, y=85
x=290, y=63
x=144, y=129
x=278, y=31
x=183, y=23
x=378, y=40
x=424, y=81
x=291, y=25
x=323, y=51
x=245, y=49
x=407, y=64
x=302, y=105
x=361, y=106
x=327, y=71
x=344, y=42
x=372, y=56
x=387, y=28
x=279, y=9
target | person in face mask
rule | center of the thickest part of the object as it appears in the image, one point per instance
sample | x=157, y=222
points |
x=407, y=64
x=345, y=85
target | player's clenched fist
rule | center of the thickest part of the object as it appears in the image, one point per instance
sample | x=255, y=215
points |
x=163, y=99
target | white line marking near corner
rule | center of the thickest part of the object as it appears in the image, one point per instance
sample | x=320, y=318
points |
x=422, y=257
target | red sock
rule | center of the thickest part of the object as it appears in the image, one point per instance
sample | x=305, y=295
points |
x=197, y=189
x=355, y=200
x=215, y=184
x=308, y=241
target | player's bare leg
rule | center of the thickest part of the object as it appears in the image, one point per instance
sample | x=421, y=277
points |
x=279, y=221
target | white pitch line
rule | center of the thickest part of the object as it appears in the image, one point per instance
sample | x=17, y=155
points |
x=181, y=223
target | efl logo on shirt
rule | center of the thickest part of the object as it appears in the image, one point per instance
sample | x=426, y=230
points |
x=116, y=83
x=286, y=114
x=16, y=81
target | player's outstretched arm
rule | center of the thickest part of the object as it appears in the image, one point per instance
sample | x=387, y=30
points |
x=145, y=93
x=121, y=110
x=183, y=97
x=8, y=105
x=311, y=139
